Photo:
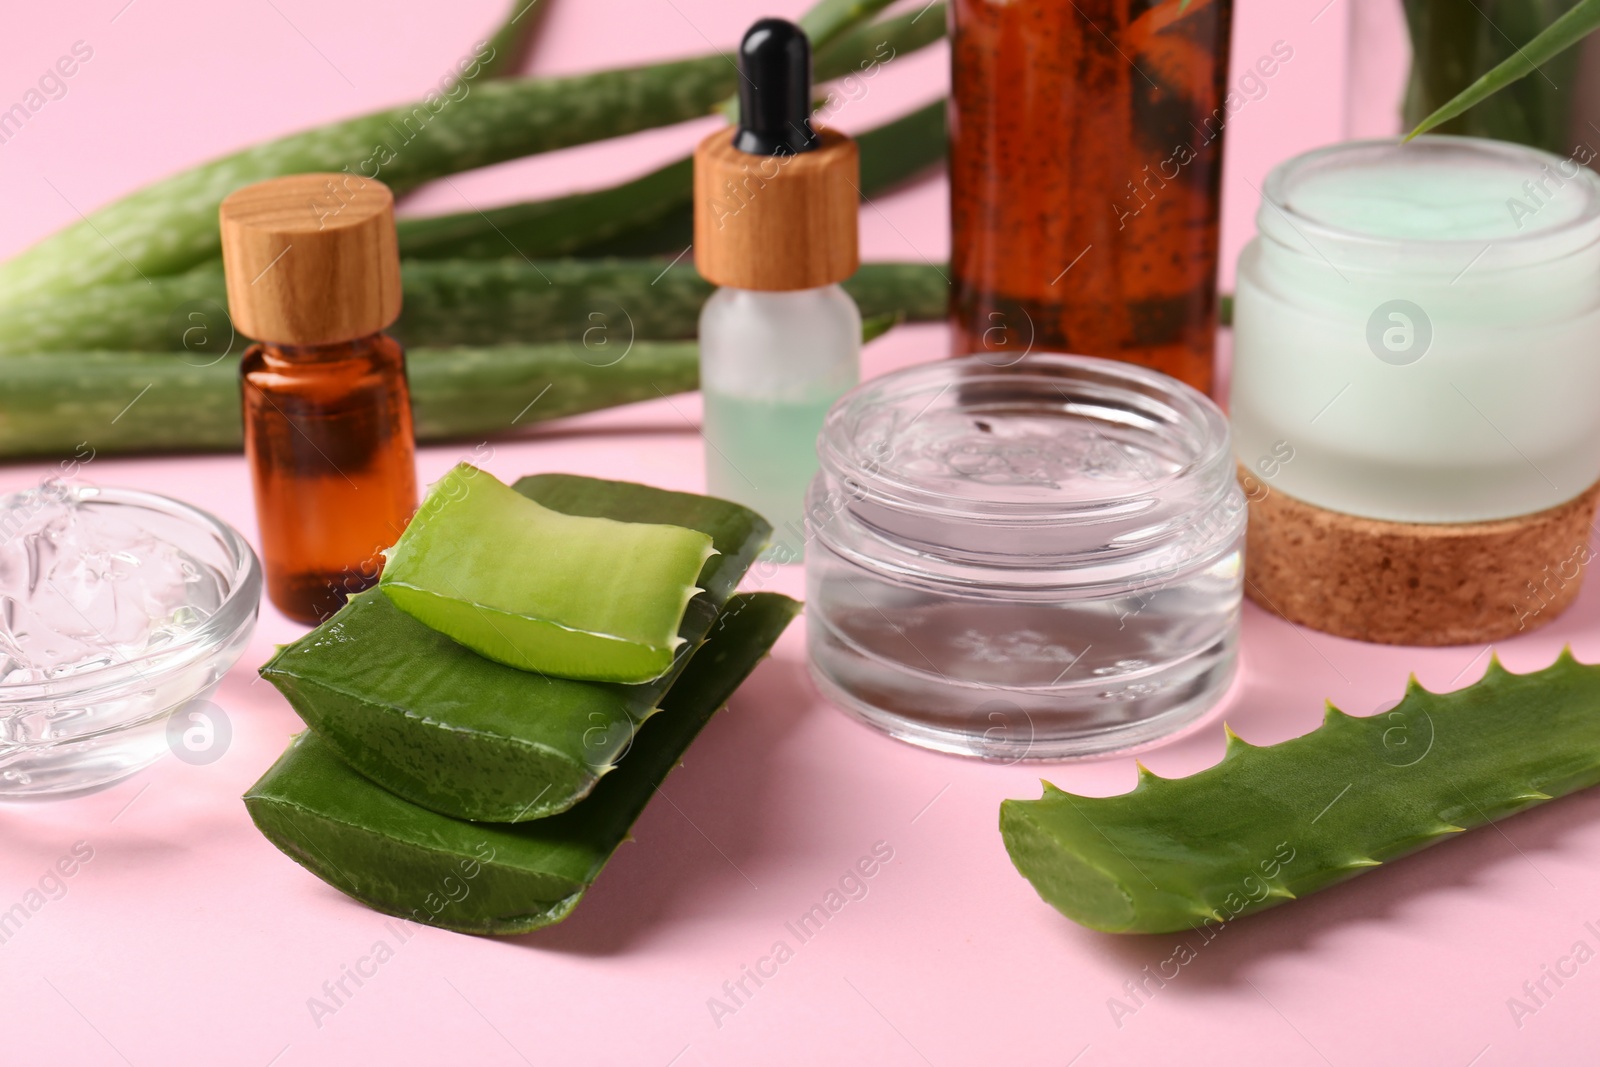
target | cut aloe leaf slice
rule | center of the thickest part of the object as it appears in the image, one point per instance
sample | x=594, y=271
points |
x=573, y=596
x=439, y=725
x=487, y=878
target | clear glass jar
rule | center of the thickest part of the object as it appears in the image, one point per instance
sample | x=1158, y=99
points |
x=1416, y=326
x=1036, y=562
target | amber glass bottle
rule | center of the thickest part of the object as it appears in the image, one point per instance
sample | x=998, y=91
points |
x=1085, y=167
x=313, y=272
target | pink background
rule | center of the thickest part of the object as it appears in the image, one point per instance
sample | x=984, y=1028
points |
x=189, y=939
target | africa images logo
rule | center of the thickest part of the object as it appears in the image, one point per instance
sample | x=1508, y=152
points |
x=1399, y=332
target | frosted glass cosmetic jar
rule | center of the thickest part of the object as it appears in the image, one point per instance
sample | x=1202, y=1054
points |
x=1035, y=562
x=1417, y=331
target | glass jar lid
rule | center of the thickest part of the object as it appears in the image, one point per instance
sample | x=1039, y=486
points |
x=1058, y=460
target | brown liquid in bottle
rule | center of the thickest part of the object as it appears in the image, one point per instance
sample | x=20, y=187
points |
x=329, y=444
x=1085, y=167
x=313, y=272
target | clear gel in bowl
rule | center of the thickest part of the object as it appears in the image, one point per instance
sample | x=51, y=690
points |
x=117, y=608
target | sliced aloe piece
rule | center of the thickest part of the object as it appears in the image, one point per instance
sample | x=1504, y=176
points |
x=441, y=726
x=575, y=596
x=488, y=878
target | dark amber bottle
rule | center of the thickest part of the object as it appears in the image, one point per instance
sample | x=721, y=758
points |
x=1085, y=167
x=313, y=271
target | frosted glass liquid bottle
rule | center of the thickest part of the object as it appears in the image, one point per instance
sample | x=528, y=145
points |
x=771, y=365
x=775, y=227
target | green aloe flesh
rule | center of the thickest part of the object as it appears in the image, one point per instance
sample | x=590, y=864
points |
x=573, y=596
x=439, y=725
x=487, y=878
x=1270, y=824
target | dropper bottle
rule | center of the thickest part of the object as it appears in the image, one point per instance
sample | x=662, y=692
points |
x=775, y=228
x=313, y=272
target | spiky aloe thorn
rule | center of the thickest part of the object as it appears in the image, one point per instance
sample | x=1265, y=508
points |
x=1330, y=713
x=1496, y=668
x=1274, y=823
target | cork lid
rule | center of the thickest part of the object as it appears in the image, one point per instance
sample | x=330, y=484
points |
x=311, y=258
x=775, y=200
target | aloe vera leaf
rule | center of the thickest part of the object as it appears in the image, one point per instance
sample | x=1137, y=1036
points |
x=171, y=225
x=559, y=226
x=1453, y=41
x=404, y=704
x=878, y=325
x=146, y=401
x=1270, y=824
x=491, y=878
x=604, y=304
x=900, y=150
x=649, y=215
x=573, y=596
x=447, y=302
x=513, y=39
x=167, y=401
x=826, y=20
x=1566, y=31
x=444, y=728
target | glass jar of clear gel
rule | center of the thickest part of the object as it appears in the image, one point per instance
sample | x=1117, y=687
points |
x=1418, y=327
x=1033, y=562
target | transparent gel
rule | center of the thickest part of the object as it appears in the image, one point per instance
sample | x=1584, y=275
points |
x=1040, y=562
x=116, y=609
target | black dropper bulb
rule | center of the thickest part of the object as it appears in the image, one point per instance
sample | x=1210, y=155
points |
x=775, y=91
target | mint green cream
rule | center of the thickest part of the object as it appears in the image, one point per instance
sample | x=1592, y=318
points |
x=1453, y=196
x=1417, y=329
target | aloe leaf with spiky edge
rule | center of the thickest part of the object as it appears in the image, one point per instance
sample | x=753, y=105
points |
x=1271, y=824
x=446, y=729
x=170, y=226
x=497, y=878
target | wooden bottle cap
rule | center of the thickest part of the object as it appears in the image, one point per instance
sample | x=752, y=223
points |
x=776, y=223
x=311, y=258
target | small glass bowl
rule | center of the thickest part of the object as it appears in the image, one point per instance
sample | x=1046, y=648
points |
x=1034, y=562
x=86, y=730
